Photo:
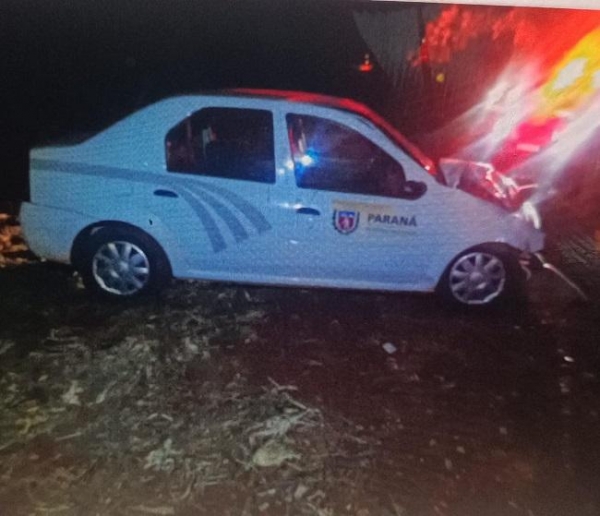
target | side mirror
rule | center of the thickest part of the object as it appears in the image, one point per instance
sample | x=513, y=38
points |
x=414, y=189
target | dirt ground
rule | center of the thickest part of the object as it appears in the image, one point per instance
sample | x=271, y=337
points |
x=232, y=400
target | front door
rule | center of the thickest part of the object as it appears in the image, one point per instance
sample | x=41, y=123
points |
x=365, y=218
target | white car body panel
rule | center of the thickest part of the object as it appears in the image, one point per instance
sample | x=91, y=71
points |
x=236, y=230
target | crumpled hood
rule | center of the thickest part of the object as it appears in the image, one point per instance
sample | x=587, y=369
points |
x=454, y=169
x=484, y=181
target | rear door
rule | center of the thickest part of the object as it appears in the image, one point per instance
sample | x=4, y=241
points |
x=217, y=200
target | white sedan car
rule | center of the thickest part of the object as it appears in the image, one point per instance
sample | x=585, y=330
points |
x=273, y=187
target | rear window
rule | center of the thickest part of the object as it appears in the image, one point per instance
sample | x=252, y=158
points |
x=223, y=142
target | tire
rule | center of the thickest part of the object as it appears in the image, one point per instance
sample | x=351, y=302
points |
x=483, y=277
x=122, y=263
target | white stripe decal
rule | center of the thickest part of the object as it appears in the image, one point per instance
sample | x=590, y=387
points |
x=195, y=198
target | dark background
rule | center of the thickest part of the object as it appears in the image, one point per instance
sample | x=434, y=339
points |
x=71, y=68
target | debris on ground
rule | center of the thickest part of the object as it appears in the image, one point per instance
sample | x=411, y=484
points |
x=389, y=348
x=152, y=401
x=13, y=250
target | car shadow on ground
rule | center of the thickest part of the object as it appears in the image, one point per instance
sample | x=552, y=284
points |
x=38, y=295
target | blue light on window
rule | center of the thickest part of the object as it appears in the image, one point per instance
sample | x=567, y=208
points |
x=306, y=160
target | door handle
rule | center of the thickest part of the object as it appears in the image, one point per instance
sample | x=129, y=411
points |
x=307, y=211
x=165, y=193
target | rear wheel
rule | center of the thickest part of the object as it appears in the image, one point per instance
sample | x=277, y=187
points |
x=123, y=263
x=482, y=277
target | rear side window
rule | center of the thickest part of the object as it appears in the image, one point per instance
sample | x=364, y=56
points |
x=223, y=142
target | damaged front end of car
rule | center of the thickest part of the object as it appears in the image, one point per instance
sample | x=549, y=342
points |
x=484, y=181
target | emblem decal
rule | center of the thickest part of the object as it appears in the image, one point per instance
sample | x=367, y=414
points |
x=345, y=221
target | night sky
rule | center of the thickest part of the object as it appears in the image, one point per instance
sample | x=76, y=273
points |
x=68, y=63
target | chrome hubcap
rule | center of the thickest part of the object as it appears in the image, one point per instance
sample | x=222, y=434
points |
x=121, y=268
x=476, y=278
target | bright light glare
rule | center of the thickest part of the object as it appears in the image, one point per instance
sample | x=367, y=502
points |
x=578, y=132
x=504, y=127
x=507, y=104
x=573, y=89
x=532, y=128
x=574, y=79
x=570, y=74
x=496, y=93
x=306, y=160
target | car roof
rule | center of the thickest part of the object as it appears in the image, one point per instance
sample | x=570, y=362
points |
x=339, y=103
x=300, y=97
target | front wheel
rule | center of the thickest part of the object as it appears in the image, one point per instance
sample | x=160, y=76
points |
x=482, y=277
x=123, y=263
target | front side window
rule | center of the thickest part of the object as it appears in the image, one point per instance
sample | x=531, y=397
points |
x=330, y=156
x=224, y=142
